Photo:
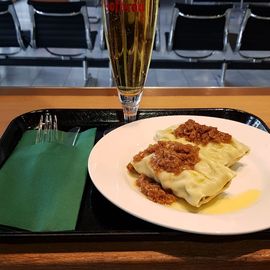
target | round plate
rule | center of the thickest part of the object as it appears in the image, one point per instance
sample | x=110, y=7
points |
x=110, y=156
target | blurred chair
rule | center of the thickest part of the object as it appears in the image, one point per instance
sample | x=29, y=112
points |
x=12, y=39
x=265, y=2
x=60, y=26
x=93, y=4
x=215, y=1
x=199, y=31
x=157, y=40
x=253, y=41
x=236, y=3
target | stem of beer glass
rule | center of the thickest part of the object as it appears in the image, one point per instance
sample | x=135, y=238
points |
x=130, y=105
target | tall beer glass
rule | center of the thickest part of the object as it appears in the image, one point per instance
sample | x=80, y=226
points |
x=129, y=30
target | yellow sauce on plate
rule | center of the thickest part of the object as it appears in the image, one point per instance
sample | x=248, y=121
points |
x=222, y=204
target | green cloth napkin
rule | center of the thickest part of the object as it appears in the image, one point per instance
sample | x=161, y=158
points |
x=41, y=185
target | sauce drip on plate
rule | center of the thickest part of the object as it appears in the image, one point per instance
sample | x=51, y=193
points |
x=222, y=204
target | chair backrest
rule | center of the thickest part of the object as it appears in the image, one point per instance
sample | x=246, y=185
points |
x=254, y=30
x=93, y=3
x=217, y=1
x=60, y=25
x=256, y=1
x=199, y=27
x=10, y=30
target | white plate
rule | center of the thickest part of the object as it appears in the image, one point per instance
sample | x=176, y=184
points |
x=107, y=168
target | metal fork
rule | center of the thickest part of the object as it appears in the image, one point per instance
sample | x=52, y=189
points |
x=47, y=129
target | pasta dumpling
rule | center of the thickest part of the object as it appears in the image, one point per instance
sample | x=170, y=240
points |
x=181, y=169
x=214, y=145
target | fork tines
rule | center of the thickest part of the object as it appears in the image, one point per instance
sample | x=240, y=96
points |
x=47, y=129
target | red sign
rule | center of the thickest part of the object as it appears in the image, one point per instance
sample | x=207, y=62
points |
x=120, y=6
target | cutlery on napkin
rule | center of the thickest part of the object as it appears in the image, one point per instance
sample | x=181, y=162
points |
x=41, y=185
x=47, y=131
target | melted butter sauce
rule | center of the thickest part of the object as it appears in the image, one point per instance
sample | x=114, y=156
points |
x=222, y=204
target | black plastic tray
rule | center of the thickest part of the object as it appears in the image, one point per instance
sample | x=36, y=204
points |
x=100, y=220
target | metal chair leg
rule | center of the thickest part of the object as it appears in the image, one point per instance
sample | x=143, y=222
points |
x=85, y=71
x=112, y=82
x=223, y=73
x=87, y=77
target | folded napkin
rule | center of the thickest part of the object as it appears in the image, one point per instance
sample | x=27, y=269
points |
x=41, y=185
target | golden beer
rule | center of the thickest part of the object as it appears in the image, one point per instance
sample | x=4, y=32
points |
x=129, y=31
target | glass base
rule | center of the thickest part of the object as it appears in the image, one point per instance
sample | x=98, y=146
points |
x=130, y=105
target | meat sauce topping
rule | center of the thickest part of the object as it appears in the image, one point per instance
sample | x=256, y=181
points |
x=169, y=156
x=153, y=191
x=201, y=134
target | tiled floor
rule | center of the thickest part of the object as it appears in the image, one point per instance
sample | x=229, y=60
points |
x=73, y=76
